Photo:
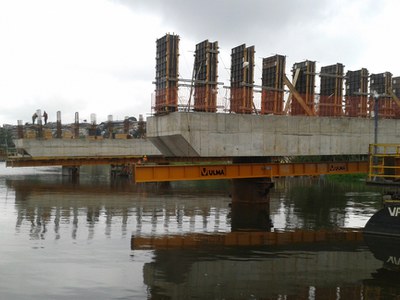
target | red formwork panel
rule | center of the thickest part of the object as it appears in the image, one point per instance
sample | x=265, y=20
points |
x=385, y=107
x=241, y=100
x=272, y=102
x=205, y=99
x=166, y=100
x=296, y=109
x=330, y=106
x=356, y=106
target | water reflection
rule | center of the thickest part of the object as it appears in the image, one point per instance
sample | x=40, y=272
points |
x=196, y=243
x=146, y=208
x=51, y=203
x=322, y=271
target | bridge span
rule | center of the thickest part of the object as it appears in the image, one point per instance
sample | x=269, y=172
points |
x=241, y=139
x=244, y=135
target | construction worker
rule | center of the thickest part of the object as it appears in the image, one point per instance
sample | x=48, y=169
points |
x=45, y=116
x=34, y=117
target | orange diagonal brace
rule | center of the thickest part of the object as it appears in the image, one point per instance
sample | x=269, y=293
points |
x=394, y=97
x=289, y=100
x=297, y=96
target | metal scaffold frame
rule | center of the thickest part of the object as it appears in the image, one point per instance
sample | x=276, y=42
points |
x=384, y=163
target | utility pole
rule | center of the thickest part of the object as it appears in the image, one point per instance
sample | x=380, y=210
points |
x=376, y=116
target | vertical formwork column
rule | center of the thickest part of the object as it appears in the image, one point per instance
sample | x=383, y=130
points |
x=206, y=76
x=242, y=79
x=167, y=64
x=356, y=99
x=381, y=84
x=272, y=96
x=331, y=91
x=396, y=91
x=305, y=86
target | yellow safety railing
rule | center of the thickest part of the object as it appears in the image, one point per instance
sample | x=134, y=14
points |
x=384, y=162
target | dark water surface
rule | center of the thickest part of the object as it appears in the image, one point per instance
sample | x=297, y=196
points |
x=110, y=239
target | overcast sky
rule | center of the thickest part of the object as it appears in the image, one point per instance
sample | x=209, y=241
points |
x=98, y=56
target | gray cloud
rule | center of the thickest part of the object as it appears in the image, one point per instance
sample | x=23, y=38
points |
x=290, y=28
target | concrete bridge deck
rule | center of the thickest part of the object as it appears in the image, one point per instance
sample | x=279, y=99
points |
x=240, y=135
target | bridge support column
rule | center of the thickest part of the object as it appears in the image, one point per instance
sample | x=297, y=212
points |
x=71, y=171
x=250, y=204
x=251, y=190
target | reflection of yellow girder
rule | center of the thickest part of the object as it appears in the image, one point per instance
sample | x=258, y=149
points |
x=154, y=173
x=253, y=238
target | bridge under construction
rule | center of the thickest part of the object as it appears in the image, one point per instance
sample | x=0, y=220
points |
x=293, y=123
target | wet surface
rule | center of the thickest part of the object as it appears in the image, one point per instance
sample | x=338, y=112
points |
x=99, y=238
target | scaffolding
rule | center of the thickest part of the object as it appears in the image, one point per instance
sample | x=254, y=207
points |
x=272, y=95
x=384, y=163
x=242, y=79
x=331, y=91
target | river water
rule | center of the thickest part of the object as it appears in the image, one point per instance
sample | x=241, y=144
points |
x=104, y=238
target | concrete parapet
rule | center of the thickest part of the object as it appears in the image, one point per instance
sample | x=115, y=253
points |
x=85, y=147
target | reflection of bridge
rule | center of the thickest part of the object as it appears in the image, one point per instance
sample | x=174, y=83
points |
x=327, y=271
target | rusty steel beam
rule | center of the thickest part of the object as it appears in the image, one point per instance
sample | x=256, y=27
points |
x=70, y=161
x=101, y=160
x=157, y=173
x=243, y=238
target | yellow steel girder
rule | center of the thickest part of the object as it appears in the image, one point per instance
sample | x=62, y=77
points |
x=156, y=173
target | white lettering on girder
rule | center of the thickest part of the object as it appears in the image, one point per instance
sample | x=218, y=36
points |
x=394, y=211
x=393, y=260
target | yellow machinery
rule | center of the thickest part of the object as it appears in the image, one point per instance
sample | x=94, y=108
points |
x=384, y=163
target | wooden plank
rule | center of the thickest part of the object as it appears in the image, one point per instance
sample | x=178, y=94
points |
x=297, y=96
